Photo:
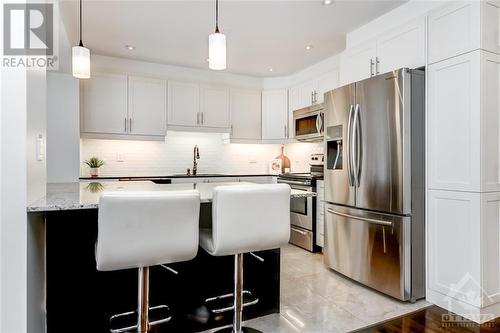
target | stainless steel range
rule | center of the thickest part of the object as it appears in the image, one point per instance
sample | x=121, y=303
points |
x=303, y=210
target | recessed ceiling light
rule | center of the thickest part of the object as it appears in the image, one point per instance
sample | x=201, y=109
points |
x=130, y=47
x=270, y=69
x=308, y=47
x=327, y=2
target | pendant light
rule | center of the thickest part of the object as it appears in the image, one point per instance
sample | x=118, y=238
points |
x=217, y=45
x=81, y=56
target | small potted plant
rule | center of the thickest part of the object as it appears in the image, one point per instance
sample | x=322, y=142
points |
x=94, y=163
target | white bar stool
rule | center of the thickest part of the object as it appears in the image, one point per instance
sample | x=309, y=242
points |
x=246, y=218
x=143, y=229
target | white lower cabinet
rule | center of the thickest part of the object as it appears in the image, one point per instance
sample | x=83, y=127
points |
x=463, y=231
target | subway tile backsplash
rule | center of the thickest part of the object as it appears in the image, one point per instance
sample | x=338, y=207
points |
x=175, y=155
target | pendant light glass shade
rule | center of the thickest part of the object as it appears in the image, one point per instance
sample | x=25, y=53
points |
x=81, y=62
x=217, y=51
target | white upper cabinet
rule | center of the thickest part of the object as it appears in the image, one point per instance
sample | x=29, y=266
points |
x=464, y=26
x=147, y=106
x=402, y=47
x=327, y=82
x=463, y=123
x=245, y=114
x=358, y=63
x=214, y=106
x=274, y=114
x=183, y=104
x=104, y=104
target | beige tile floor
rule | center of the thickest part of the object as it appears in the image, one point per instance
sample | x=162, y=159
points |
x=314, y=299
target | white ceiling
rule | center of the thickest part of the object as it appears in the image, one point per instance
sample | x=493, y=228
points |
x=260, y=34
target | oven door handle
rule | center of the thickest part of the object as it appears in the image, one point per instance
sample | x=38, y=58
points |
x=365, y=219
x=292, y=182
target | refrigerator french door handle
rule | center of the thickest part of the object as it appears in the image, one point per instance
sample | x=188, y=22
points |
x=356, y=146
x=348, y=150
x=365, y=219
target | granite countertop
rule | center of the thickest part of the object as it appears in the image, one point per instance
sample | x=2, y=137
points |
x=85, y=195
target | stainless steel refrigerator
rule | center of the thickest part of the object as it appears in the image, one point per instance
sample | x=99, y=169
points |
x=374, y=182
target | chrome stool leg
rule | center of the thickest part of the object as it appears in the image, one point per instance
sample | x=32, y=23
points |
x=238, y=300
x=143, y=300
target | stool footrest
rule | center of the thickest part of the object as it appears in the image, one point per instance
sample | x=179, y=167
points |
x=131, y=317
x=225, y=303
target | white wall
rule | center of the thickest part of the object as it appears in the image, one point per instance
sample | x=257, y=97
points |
x=13, y=177
x=36, y=126
x=63, y=128
x=175, y=155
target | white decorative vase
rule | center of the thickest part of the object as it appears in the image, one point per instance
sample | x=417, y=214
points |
x=94, y=172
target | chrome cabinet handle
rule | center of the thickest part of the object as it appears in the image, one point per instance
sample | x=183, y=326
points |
x=377, y=62
x=349, y=145
x=130, y=124
x=203, y=118
x=365, y=219
x=231, y=130
x=371, y=67
x=125, y=126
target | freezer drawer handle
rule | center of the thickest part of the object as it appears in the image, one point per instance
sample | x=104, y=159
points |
x=299, y=231
x=387, y=223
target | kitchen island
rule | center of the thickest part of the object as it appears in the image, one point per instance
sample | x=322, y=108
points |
x=81, y=299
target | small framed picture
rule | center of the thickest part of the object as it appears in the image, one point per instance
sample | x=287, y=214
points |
x=275, y=166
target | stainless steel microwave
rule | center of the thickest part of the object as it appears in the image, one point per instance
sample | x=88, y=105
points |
x=308, y=123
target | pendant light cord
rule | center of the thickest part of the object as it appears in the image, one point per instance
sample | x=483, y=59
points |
x=81, y=43
x=216, y=16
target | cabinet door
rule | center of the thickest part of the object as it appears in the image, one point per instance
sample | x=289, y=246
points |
x=490, y=25
x=490, y=121
x=357, y=63
x=327, y=82
x=104, y=104
x=214, y=106
x=274, y=114
x=454, y=29
x=147, y=106
x=183, y=104
x=307, y=93
x=246, y=114
x=402, y=47
x=453, y=123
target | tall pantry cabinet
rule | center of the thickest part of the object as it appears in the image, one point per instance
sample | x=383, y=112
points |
x=463, y=159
